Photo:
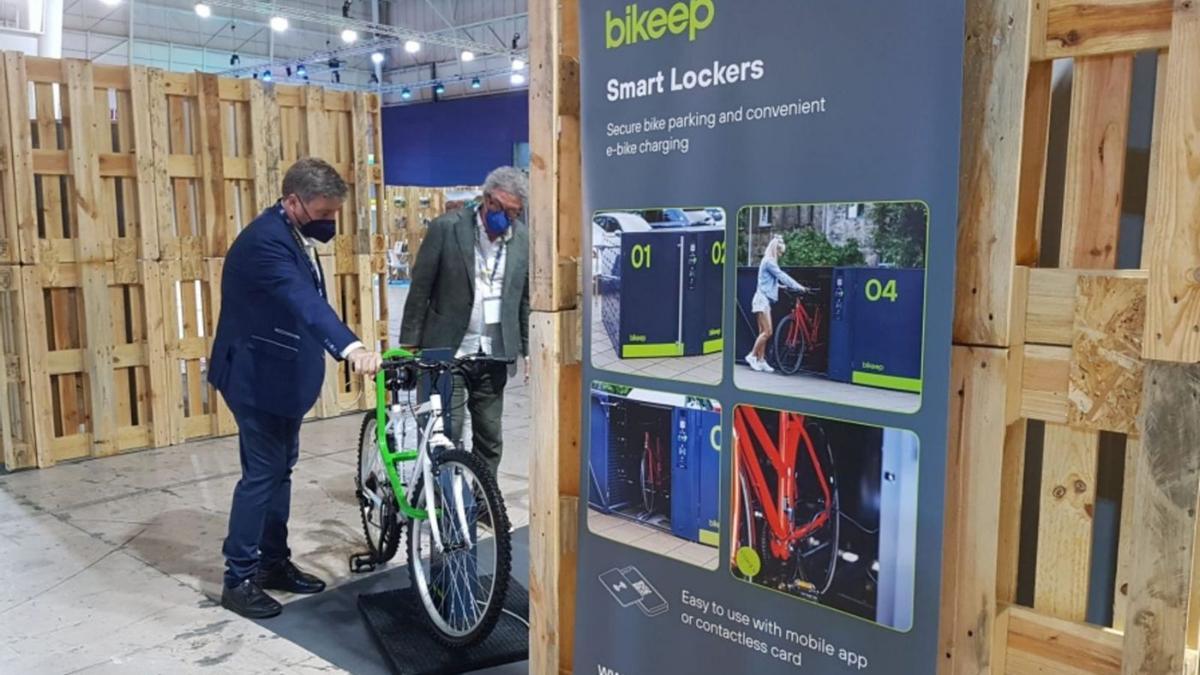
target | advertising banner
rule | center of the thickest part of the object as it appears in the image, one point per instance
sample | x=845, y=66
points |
x=770, y=197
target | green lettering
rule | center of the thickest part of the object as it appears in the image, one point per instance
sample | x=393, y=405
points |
x=610, y=22
x=678, y=18
x=656, y=24
x=696, y=24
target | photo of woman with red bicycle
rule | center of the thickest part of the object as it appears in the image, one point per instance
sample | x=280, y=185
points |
x=825, y=511
x=766, y=293
x=831, y=300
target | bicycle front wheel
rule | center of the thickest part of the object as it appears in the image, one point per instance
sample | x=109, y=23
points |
x=788, y=353
x=462, y=579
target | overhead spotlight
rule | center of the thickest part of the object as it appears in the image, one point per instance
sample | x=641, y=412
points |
x=516, y=40
x=374, y=78
x=337, y=76
x=288, y=70
x=234, y=60
x=346, y=9
x=301, y=70
x=279, y=23
x=203, y=11
x=377, y=57
x=439, y=88
x=517, y=79
x=518, y=64
x=406, y=93
x=349, y=36
x=475, y=83
x=412, y=46
x=468, y=55
x=266, y=76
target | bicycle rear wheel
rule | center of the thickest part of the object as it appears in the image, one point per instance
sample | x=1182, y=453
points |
x=461, y=584
x=789, y=355
x=376, y=500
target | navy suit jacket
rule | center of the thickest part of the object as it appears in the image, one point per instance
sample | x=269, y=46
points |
x=275, y=323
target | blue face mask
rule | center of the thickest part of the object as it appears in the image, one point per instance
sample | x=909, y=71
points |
x=497, y=222
x=321, y=230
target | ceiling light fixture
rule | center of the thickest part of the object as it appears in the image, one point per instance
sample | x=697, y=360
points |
x=475, y=83
x=468, y=56
x=412, y=46
x=266, y=76
x=518, y=64
x=406, y=93
x=517, y=79
x=439, y=88
x=377, y=57
x=279, y=24
x=349, y=36
x=203, y=11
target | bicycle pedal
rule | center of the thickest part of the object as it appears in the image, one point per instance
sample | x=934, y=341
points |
x=363, y=562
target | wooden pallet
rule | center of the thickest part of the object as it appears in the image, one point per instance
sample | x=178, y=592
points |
x=122, y=188
x=357, y=289
x=1090, y=351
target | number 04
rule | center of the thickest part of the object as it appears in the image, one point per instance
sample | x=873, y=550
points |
x=876, y=290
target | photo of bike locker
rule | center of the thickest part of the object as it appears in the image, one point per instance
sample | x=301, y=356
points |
x=654, y=464
x=825, y=511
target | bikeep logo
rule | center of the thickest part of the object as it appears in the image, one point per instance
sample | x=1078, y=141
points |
x=636, y=25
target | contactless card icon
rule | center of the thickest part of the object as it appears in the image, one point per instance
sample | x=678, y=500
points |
x=652, y=602
x=620, y=588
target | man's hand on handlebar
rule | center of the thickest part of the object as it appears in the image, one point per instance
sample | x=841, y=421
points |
x=365, y=361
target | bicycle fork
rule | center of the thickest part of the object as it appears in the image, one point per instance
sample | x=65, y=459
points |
x=436, y=437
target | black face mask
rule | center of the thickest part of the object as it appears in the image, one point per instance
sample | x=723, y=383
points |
x=321, y=230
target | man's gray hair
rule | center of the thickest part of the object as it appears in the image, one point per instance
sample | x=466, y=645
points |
x=310, y=178
x=508, y=179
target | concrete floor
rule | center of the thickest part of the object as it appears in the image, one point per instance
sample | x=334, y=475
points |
x=698, y=369
x=112, y=565
x=651, y=539
x=821, y=389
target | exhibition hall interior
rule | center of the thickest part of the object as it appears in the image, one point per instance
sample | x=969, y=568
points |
x=600, y=336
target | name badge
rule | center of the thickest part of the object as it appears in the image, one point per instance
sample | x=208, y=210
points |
x=491, y=311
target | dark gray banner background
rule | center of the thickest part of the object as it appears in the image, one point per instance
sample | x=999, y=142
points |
x=891, y=74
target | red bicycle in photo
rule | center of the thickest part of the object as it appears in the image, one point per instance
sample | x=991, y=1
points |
x=656, y=478
x=791, y=516
x=798, y=334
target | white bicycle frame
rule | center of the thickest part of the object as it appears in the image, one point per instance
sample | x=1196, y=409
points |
x=434, y=436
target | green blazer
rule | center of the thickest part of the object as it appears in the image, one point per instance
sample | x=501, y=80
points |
x=442, y=293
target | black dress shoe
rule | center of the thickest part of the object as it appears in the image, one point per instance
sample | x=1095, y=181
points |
x=249, y=600
x=288, y=577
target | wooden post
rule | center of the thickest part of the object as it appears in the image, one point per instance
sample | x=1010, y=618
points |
x=555, y=331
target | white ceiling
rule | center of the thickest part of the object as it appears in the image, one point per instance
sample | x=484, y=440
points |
x=169, y=34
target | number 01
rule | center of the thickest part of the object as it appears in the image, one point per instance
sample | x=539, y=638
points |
x=877, y=290
x=640, y=256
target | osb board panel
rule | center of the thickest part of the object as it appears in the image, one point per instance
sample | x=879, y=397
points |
x=1106, y=366
x=1072, y=28
x=1050, y=310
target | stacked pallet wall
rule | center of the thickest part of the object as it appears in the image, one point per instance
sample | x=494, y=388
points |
x=121, y=190
x=1083, y=348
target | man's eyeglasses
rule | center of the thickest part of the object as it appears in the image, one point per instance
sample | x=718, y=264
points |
x=493, y=204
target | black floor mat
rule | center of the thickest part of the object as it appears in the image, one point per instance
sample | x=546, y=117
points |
x=330, y=625
x=397, y=621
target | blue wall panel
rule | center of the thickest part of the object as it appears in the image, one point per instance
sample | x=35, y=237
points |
x=454, y=142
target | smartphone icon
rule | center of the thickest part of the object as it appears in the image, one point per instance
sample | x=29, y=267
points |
x=620, y=588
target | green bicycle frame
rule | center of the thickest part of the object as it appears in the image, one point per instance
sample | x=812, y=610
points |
x=390, y=455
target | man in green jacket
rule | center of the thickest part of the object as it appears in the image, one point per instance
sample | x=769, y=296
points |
x=470, y=292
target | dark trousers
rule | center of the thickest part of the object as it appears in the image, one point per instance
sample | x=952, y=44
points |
x=482, y=385
x=269, y=446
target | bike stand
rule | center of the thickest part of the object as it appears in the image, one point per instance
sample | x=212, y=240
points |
x=397, y=622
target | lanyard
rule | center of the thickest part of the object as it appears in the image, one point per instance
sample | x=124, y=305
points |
x=499, y=252
x=312, y=268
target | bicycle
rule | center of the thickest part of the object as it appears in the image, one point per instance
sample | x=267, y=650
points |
x=793, y=525
x=798, y=334
x=653, y=472
x=446, y=495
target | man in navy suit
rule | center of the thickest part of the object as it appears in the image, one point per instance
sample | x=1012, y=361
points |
x=268, y=362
